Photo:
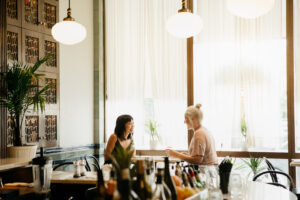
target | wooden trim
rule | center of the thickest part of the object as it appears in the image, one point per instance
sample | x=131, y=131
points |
x=3, y=68
x=104, y=72
x=290, y=83
x=190, y=72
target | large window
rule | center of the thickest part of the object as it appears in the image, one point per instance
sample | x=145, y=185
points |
x=145, y=70
x=240, y=77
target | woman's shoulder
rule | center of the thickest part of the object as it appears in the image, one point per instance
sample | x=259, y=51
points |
x=202, y=132
x=113, y=137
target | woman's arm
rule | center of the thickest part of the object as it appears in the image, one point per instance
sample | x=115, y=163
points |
x=110, y=146
x=185, y=157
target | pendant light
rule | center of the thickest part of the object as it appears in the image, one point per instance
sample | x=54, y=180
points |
x=249, y=9
x=68, y=31
x=184, y=24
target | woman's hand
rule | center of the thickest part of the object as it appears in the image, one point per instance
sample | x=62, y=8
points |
x=170, y=152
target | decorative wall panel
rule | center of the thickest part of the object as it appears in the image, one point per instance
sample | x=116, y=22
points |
x=31, y=129
x=12, y=46
x=51, y=93
x=51, y=127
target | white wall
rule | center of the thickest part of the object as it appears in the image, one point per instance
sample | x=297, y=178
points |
x=76, y=80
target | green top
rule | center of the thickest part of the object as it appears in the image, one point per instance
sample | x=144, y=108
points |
x=118, y=144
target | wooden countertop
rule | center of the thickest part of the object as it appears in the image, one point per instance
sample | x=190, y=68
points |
x=66, y=177
x=9, y=163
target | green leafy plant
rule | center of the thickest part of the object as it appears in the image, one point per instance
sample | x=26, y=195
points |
x=121, y=158
x=152, y=127
x=255, y=165
x=22, y=81
x=243, y=126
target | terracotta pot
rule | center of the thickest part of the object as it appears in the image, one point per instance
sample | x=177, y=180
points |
x=26, y=152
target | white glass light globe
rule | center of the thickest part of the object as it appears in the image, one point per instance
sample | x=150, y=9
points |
x=184, y=25
x=250, y=8
x=68, y=32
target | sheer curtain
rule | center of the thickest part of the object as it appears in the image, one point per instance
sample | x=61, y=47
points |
x=240, y=74
x=125, y=61
x=146, y=70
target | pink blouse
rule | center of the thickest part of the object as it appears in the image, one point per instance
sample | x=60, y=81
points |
x=203, y=144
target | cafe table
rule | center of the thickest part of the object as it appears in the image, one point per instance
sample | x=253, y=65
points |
x=257, y=191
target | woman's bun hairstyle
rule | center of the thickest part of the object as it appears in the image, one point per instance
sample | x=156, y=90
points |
x=194, y=111
x=198, y=106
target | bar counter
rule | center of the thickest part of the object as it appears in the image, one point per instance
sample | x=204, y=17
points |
x=10, y=163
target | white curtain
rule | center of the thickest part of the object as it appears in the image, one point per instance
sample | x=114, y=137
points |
x=146, y=70
x=240, y=71
x=297, y=70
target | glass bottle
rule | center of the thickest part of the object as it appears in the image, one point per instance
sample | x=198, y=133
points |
x=140, y=185
x=161, y=192
x=124, y=186
x=168, y=179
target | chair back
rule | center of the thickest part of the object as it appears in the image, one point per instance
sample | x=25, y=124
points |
x=291, y=183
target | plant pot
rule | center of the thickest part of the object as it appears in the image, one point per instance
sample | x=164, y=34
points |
x=153, y=144
x=26, y=152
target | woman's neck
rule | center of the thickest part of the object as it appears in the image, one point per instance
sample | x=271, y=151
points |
x=197, y=127
x=126, y=135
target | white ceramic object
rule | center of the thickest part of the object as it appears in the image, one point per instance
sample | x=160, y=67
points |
x=27, y=152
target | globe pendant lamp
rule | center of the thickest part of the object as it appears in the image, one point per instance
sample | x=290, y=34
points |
x=68, y=31
x=249, y=9
x=184, y=24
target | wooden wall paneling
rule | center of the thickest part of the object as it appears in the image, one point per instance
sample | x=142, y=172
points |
x=50, y=46
x=3, y=68
x=49, y=15
x=14, y=12
x=14, y=43
x=50, y=118
x=32, y=44
x=32, y=15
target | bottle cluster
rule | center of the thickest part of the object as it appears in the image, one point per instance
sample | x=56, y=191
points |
x=148, y=182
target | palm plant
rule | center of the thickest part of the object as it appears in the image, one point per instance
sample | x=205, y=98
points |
x=21, y=81
x=255, y=165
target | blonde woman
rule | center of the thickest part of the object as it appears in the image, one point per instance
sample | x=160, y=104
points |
x=202, y=147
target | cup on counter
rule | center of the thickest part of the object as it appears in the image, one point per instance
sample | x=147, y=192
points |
x=235, y=186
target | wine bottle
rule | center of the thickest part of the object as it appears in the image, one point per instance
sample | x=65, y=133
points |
x=124, y=186
x=193, y=178
x=200, y=183
x=185, y=180
x=161, y=191
x=150, y=184
x=178, y=170
x=168, y=179
x=140, y=185
x=190, y=179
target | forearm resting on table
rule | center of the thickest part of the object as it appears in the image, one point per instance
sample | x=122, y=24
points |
x=188, y=158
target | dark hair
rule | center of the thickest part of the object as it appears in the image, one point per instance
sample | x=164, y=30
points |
x=120, y=126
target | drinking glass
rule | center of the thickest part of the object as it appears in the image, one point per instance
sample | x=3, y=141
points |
x=235, y=186
x=215, y=194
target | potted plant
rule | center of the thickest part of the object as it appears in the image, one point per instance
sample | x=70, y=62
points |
x=254, y=165
x=244, y=134
x=152, y=126
x=21, y=81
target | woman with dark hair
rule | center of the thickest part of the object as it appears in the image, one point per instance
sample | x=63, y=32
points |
x=121, y=137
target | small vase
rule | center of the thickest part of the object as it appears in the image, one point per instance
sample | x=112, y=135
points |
x=153, y=144
x=244, y=143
